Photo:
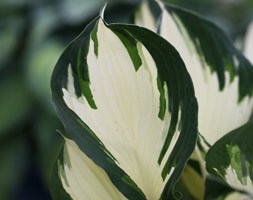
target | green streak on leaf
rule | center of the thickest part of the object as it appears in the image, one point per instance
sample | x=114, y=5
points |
x=171, y=70
x=160, y=86
x=235, y=160
x=83, y=77
x=239, y=163
x=216, y=48
x=131, y=45
x=233, y=151
x=94, y=37
x=85, y=85
x=76, y=129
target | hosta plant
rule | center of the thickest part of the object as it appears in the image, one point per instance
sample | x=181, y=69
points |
x=222, y=77
x=127, y=102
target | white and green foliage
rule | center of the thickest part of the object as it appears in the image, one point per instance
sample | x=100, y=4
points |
x=127, y=103
x=217, y=69
x=129, y=110
x=230, y=158
x=222, y=77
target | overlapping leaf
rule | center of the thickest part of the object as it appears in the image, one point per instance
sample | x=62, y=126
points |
x=121, y=91
x=222, y=76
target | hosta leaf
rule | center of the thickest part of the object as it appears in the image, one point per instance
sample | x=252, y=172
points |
x=222, y=77
x=231, y=159
x=121, y=91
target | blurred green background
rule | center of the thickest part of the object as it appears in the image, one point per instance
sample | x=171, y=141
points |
x=33, y=33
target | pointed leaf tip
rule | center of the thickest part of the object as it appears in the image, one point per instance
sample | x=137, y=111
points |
x=102, y=11
x=129, y=61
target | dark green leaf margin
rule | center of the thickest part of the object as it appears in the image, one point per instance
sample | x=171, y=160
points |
x=217, y=50
x=75, y=128
x=171, y=70
x=234, y=149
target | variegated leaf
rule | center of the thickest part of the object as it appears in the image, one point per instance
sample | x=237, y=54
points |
x=121, y=91
x=222, y=77
x=231, y=159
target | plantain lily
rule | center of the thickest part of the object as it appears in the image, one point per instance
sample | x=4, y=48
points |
x=222, y=77
x=130, y=115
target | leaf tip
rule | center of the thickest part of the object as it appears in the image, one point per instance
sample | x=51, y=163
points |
x=102, y=11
